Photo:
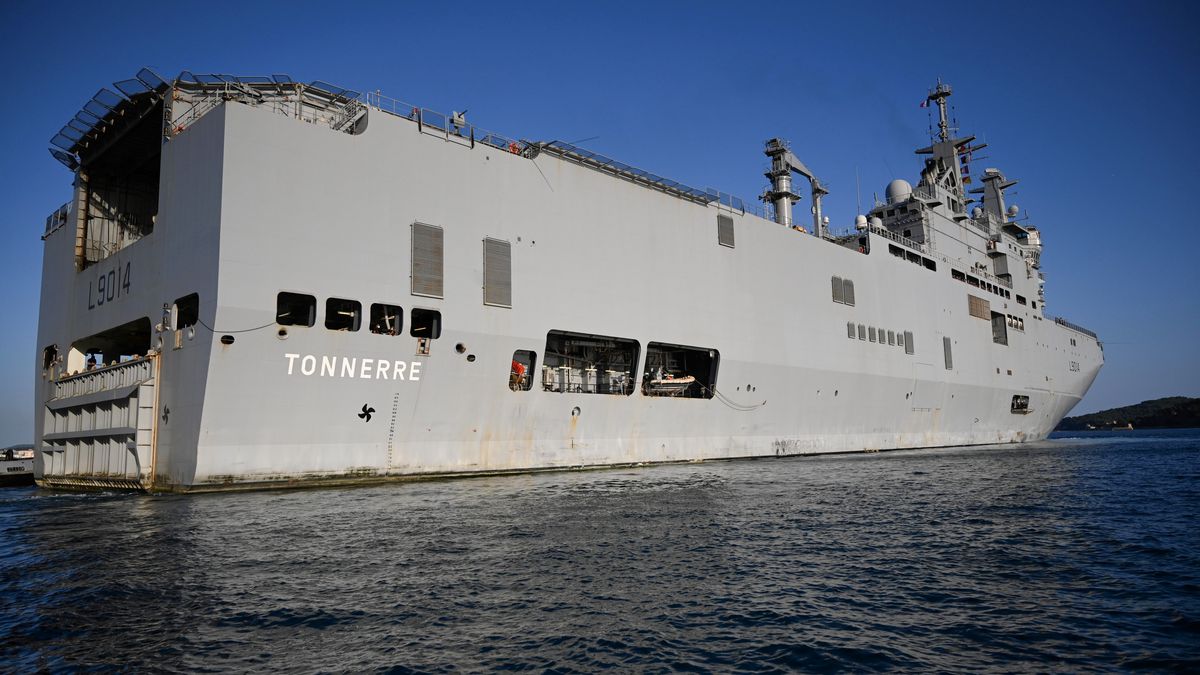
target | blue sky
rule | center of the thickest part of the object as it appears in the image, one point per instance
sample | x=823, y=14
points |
x=1091, y=105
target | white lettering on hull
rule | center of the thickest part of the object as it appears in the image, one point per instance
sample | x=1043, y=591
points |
x=353, y=368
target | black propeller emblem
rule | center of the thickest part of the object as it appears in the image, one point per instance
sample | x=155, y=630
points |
x=366, y=413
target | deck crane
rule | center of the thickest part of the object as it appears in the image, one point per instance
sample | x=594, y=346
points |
x=783, y=163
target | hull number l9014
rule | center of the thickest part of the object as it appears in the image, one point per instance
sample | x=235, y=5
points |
x=108, y=286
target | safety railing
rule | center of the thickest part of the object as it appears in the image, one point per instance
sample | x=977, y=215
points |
x=1078, y=329
x=442, y=123
x=104, y=378
x=888, y=234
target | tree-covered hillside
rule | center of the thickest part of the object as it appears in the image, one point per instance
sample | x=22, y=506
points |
x=1172, y=412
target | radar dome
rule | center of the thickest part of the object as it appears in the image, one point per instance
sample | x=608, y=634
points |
x=898, y=191
x=976, y=213
x=1013, y=211
x=877, y=221
x=860, y=222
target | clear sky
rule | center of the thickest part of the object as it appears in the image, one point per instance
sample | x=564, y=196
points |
x=1090, y=104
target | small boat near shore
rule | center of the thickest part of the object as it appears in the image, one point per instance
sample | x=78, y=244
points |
x=16, y=466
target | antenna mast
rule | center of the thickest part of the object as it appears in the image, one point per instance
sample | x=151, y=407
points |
x=939, y=96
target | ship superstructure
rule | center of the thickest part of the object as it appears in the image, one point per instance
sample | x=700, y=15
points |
x=260, y=283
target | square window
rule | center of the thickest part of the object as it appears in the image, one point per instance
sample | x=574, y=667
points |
x=295, y=309
x=426, y=323
x=386, y=319
x=342, y=314
x=520, y=374
x=186, y=311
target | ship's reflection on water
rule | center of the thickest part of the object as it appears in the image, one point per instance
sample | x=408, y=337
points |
x=1078, y=553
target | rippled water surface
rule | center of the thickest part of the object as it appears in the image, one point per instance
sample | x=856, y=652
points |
x=1081, y=553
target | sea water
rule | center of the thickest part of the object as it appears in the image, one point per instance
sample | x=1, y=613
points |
x=1078, y=553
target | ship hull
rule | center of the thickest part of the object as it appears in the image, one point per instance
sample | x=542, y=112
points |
x=254, y=204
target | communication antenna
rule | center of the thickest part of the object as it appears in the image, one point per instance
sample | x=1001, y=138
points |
x=857, y=191
x=939, y=96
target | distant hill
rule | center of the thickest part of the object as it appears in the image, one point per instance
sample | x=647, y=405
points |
x=1172, y=412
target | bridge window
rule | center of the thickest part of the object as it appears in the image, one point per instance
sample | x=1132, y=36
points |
x=295, y=309
x=343, y=315
x=589, y=364
x=386, y=319
x=684, y=372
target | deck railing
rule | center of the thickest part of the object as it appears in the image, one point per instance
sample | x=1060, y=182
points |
x=1077, y=328
x=105, y=378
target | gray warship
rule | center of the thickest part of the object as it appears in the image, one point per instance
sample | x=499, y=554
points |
x=259, y=282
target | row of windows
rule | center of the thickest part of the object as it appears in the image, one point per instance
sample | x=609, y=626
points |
x=843, y=290
x=912, y=257
x=985, y=285
x=342, y=314
x=897, y=338
x=598, y=364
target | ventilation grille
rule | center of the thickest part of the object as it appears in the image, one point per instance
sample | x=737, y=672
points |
x=948, y=354
x=427, y=253
x=497, y=273
x=979, y=307
x=724, y=230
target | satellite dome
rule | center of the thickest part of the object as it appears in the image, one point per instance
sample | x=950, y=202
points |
x=976, y=213
x=897, y=191
x=860, y=222
x=1013, y=211
x=876, y=221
